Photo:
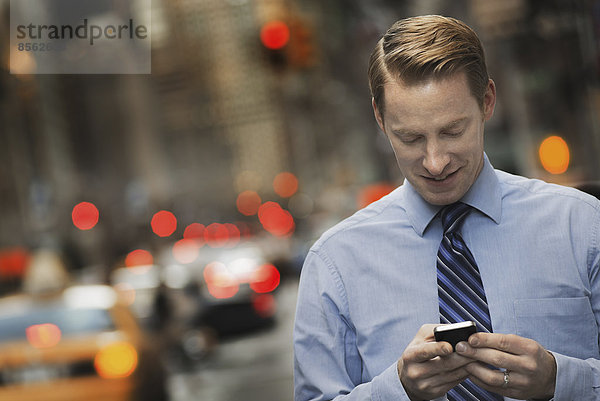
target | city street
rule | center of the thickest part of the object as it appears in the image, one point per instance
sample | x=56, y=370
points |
x=168, y=165
x=250, y=368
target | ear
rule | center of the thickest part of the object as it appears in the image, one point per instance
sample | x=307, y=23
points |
x=489, y=100
x=378, y=115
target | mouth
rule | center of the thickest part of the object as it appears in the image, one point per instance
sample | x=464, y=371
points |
x=441, y=179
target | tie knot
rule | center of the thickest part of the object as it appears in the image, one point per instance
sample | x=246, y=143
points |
x=453, y=215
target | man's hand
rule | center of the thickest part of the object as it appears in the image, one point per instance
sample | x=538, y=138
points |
x=531, y=369
x=428, y=369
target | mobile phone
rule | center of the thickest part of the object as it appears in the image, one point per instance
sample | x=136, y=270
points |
x=455, y=332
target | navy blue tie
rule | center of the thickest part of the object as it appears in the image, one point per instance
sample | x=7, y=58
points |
x=460, y=291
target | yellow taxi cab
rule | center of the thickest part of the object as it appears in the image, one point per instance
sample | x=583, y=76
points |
x=81, y=343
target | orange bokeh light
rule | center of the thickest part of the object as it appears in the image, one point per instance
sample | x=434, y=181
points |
x=285, y=184
x=164, y=223
x=45, y=335
x=373, y=192
x=275, y=35
x=554, y=155
x=139, y=257
x=116, y=360
x=85, y=215
x=276, y=220
x=248, y=203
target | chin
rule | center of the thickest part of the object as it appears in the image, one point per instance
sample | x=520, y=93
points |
x=441, y=199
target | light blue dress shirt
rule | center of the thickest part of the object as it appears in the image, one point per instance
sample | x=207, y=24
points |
x=369, y=283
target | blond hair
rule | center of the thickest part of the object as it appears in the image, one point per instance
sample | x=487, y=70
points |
x=420, y=48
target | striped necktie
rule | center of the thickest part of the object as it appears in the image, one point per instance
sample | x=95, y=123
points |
x=460, y=290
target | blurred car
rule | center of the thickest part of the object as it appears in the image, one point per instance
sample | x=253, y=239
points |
x=78, y=344
x=238, y=287
x=232, y=287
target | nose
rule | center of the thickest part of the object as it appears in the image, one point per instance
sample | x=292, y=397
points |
x=436, y=158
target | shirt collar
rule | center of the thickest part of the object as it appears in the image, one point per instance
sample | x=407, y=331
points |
x=484, y=195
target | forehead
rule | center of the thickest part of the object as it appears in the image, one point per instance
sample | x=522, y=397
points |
x=429, y=104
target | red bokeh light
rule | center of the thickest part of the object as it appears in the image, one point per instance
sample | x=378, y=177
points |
x=276, y=220
x=216, y=235
x=248, y=203
x=234, y=234
x=285, y=184
x=275, y=35
x=13, y=262
x=264, y=305
x=85, y=215
x=45, y=335
x=245, y=230
x=266, y=279
x=139, y=257
x=220, y=282
x=195, y=231
x=164, y=223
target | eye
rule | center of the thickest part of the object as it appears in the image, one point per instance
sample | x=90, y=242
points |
x=409, y=140
x=453, y=134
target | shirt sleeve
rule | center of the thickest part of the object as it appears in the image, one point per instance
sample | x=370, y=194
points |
x=327, y=365
x=578, y=379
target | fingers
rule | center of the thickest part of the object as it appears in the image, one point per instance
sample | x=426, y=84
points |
x=427, y=360
x=493, y=379
x=490, y=356
x=517, y=387
x=423, y=347
x=428, y=369
x=506, y=351
x=432, y=378
x=503, y=342
x=427, y=351
x=435, y=366
x=425, y=333
x=435, y=387
x=532, y=369
x=422, y=372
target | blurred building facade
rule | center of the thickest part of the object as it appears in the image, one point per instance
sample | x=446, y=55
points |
x=218, y=115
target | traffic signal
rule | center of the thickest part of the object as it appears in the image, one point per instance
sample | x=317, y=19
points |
x=288, y=43
x=274, y=37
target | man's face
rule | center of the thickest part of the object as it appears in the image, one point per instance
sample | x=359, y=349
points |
x=436, y=131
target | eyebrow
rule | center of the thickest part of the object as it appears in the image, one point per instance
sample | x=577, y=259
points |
x=450, y=125
x=454, y=123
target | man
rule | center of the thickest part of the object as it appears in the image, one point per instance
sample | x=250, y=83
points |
x=457, y=241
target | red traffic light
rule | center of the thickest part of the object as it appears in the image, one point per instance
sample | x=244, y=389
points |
x=275, y=35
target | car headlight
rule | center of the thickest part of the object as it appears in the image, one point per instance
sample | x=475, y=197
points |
x=116, y=360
